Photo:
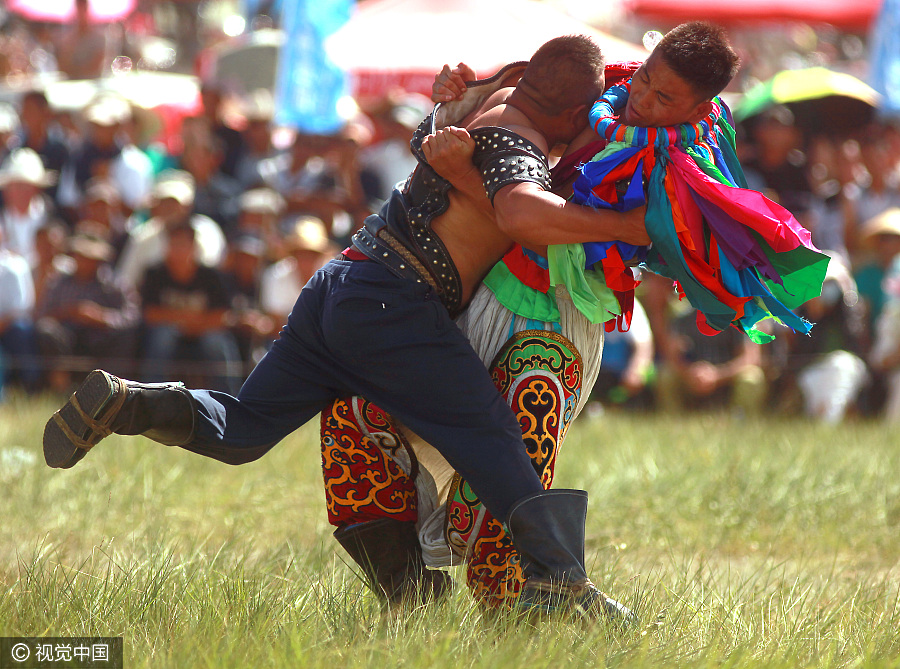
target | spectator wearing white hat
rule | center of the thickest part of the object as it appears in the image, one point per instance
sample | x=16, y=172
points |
x=308, y=249
x=171, y=205
x=103, y=204
x=259, y=212
x=25, y=205
x=107, y=153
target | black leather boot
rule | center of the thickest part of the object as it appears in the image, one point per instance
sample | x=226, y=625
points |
x=389, y=554
x=104, y=404
x=547, y=530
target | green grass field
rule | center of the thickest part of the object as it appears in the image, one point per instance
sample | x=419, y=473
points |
x=739, y=543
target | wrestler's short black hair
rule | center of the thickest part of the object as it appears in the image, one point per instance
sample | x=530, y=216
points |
x=567, y=72
x=699, y=53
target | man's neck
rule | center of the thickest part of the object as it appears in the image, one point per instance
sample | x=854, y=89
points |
x=531, y=108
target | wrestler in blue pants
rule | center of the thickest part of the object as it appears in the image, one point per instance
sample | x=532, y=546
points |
x=357, y=329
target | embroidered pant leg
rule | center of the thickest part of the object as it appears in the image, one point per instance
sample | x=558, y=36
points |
x=539, y=374
x=366, y=465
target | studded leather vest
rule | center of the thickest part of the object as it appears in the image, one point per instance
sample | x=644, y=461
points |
x=400, y=235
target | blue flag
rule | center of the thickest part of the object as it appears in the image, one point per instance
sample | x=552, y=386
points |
x=885, y=56
x=309, y=85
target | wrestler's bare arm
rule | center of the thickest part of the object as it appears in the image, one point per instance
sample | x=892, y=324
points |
x=534, y=217
x=525, y=212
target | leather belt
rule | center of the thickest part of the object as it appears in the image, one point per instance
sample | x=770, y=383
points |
x=387, y=249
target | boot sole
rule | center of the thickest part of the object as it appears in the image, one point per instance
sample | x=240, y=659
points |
x=68, y=436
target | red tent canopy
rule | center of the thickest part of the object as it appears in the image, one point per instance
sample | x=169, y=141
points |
x=403, y=43
x=847, y=14
x=63, y=11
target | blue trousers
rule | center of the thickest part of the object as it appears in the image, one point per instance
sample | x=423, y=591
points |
x=357, y=329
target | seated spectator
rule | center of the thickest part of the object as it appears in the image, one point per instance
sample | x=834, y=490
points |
x=833, y=174
x=826, y=369
x=216, y=194
x=260, y=210
x=256, y=145
x=103, y=205
x=627, y=366
x=172, y=206
x=882, y=191
x=885, y=354
x=778, y=164
x=18, y=353
x=106, y=153
x=50, y=243
x=37, y=134
x=308, y=249
x=186, y=317
x=253, y=329
x=231, y=141
x=86, y=314
x=881, y=238
x=25, y=206
x=696, y=370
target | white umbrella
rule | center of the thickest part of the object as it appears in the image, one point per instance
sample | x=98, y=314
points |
x=405, y=42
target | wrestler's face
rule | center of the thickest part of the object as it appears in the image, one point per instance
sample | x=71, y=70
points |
x=659, y=97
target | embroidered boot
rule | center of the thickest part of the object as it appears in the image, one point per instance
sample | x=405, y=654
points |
x=105, y=404
x=547, y=529
x=389, y=554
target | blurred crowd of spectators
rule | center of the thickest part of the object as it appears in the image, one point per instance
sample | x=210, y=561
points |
x=157, y=264
x=182, y=259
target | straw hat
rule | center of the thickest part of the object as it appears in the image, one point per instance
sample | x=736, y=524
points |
x=25, y=166
x=886, y=223
x=175, y=184
x=262, y=201
x=107, y=111
x=89, y=242
x=249, y=245
x=100, y=190
x=308, y=233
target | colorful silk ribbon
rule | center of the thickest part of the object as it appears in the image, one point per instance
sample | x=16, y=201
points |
x=738, y=257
